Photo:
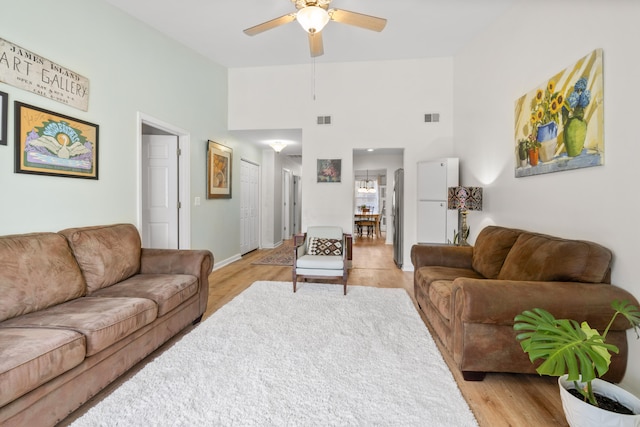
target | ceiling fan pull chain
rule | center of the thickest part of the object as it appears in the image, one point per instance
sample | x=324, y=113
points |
x=314, y=78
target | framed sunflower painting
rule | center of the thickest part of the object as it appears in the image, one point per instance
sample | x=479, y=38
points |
x=560, y=124
x=48, y=143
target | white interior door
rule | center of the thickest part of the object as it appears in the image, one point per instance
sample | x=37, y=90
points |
x=160, y=191
x=297, y=205
x=249, y=204
x=287, y=204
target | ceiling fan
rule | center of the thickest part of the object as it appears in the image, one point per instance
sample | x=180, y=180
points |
x=313, y=16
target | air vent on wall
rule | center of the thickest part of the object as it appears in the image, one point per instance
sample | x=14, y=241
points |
x=324, y=120
x=432, y=117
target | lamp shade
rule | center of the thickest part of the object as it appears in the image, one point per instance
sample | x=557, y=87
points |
x=465, y=198
x=312, y=18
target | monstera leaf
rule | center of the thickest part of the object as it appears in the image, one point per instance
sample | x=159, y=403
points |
x=565, y=346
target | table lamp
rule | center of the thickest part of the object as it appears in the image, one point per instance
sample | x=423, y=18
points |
x=465, y=199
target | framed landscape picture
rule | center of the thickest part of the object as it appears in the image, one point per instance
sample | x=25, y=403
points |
x=219, y=160
x=48, y=143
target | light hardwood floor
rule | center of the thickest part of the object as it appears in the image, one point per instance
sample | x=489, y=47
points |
x=500, y=400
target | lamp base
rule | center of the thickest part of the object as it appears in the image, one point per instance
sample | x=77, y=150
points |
x=464, y=229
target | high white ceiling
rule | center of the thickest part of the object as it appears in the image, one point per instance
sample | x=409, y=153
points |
x=415, y=29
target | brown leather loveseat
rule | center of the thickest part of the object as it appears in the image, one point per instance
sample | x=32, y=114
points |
x=80, y=307
x=470, y=295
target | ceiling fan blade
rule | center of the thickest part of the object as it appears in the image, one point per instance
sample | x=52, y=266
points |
x=270, y=24
x=358, y=19
x=315, y=44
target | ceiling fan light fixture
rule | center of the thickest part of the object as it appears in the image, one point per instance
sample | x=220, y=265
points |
x=312, y=18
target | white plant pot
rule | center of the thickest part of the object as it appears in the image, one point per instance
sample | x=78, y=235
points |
x=582, y=414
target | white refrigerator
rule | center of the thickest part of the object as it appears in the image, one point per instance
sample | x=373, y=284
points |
x=435, y=223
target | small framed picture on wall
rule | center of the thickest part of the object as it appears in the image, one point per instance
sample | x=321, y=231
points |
x=329, y=170
x=219, y=160
x=4, y=105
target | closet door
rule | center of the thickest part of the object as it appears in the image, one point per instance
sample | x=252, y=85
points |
x=249, y=206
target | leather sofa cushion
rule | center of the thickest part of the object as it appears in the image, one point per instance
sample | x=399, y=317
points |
x=424, y=276
x=106, y=254
x=491, y=248
x=440, y=297
x=436, y=283
x=29, y=357
x=546, y=258
x=38, y=271
x=167, y=290
x=103, y=321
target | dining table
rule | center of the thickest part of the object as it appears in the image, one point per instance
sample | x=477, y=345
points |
x=367, y=219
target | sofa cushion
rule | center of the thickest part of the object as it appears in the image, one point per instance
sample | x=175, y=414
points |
x=491, y=248
x=424, y=276
x=440, y=297
x=103, y=321
x=322, y=246
x=106, y=254
x=29, y=357
x=38, y=271
x=320, y=262
x=167, y=290
x=547, y=258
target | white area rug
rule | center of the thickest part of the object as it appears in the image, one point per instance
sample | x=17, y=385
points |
x=313, y=358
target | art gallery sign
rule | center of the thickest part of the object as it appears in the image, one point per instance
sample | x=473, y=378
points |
x=26, y=70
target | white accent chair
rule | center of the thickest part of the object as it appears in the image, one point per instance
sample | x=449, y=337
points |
x=318, y=259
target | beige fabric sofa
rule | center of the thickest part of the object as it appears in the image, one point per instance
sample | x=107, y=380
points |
x=80, y=307
x=470, y=295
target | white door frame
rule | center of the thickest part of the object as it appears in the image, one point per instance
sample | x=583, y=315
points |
x=287, y=231
x=184, y=174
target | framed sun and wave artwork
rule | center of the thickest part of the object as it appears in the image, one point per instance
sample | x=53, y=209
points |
x=49, y=143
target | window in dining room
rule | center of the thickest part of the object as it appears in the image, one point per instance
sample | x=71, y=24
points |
x=366, y=195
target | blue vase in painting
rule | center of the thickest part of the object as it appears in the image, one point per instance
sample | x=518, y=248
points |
x=547, y=131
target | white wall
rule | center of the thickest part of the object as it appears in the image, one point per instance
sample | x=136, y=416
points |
x=131, y=69
x=372, y=104
x=529, y=44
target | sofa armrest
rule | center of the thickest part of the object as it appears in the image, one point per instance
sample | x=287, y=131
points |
x=441, y=255
x=499, y=301
x=299, y=246
x=198, y=263
x=176, y=261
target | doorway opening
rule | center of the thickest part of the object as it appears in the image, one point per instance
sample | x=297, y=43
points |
x=163, y=187
x=373, y=192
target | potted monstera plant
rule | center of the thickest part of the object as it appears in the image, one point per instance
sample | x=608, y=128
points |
x=578, y=355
